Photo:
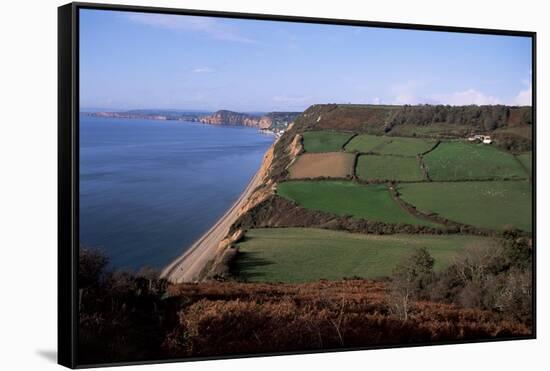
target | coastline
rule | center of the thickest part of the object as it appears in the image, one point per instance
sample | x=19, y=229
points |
x=188, y=266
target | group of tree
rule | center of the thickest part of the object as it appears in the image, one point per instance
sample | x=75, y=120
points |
x=122, y=315
x=486, y=118
x=495, y=276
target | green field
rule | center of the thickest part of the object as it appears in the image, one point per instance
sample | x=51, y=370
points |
x=372, y=202
x=406, y=146
x=366, y=143
x=494, y=205
x=463, y=161
x=389, y=145
x=324, y=141
x=527, y=160
x=307, y=254
x=374, y=167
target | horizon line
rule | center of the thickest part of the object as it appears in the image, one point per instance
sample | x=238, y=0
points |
x=107, y=109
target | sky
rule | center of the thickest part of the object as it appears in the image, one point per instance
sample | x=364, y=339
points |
x=132, y=60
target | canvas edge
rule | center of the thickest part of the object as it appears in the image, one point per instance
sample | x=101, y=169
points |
x=66, y=195
x=68, y=106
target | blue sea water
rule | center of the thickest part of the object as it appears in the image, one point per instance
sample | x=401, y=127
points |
x=149, y=189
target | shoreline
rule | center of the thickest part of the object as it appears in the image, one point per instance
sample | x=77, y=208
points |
x=188, y=266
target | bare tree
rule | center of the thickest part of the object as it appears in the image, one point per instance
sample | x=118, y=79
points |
x=408, y=278
x=474, y=264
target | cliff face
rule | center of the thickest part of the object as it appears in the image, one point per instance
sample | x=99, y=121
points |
x=270, y=120
x=224, y=117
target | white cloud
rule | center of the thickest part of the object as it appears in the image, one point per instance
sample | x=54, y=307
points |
x=405, y=98
x=209, y=26
x=405, y=93
x=408, y=93
x=376, y=100
x=467, y=97
x=202, y=70
x=524, y=97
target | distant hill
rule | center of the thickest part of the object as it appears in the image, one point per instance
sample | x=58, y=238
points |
x=271, y=120
x=150, y=114
x=511, y=126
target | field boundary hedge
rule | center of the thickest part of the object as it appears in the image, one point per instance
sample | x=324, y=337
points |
x=347, y=141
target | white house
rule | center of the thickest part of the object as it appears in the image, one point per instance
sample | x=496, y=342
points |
x=485, y=139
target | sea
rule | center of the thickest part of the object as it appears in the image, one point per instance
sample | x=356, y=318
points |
x=149, y=189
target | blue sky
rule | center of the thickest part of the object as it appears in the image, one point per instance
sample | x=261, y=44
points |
x=139, y=60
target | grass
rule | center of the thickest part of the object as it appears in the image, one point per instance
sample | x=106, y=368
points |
x=527, y=160
x=324, y=141
x=371, y=202
x=494, y=205
x=366, y=143
x=306, y=254
x=389, y=145
x=374, y=167
x=406, y=146
x=464, y=161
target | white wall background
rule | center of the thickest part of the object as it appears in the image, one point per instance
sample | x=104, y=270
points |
x=28, y=181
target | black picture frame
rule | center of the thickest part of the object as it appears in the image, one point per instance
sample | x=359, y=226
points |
x=68, y=165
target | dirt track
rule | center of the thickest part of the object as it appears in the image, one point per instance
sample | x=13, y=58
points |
x=188, y=267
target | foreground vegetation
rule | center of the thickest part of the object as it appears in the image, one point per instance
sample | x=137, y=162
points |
x=496, y=277
x=484, y=294
x=495, y=205
x=372, y=202
x=280, y=254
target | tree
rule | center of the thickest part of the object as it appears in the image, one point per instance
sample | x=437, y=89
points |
x=408, y=280
x=478, y=261
x=92, y=263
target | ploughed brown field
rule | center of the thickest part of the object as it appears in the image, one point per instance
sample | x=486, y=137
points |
x=329, y=165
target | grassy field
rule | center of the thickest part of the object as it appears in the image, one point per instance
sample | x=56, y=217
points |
x=372, y=202
x=389, y=145
x=527, y=160
x=366, y=143
x=306, y=254
x=332, y=165
x=493, y=205
x=463, y=161
x=406, y=146
x=374, y=167
x=324, y=141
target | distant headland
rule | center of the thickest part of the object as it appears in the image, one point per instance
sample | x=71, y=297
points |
x=272, y=121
